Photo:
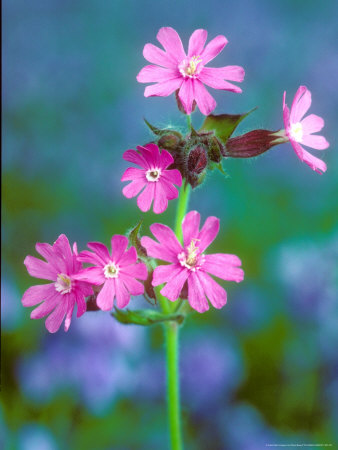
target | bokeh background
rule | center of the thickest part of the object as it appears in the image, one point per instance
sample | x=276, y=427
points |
x=264, y=369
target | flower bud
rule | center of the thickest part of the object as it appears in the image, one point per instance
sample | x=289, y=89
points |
x=215, y=150
x=170, y=141
x=252, y=144
x=197, y=159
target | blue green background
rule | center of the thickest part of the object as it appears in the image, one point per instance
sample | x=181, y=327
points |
x=263, y=370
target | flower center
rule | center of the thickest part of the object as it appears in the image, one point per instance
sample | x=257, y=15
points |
x=153, y=174
x=296, y=131
x=63, y=284
x=191, y=66
x=190, y=258
x=111, y=270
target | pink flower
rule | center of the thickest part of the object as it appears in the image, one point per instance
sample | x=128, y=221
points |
x=116, y=271
x=190, y=264
x=153, y=175
x=59, y=297
x=299, y=130
x=176, y=70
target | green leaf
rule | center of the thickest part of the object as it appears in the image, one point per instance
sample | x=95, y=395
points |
x=155, y=130
x=134, y=237
x=145, y=317
x=218, y=166
x=223, y=125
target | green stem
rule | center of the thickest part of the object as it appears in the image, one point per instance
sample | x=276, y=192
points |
x=189, y=122
x=173, y=394
x=182, y=207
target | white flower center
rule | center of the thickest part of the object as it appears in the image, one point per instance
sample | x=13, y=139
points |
x=296, y=131
x=153, y=174
x=111, y=270
x=190, y=258
x=63, y=284
x=191, y=67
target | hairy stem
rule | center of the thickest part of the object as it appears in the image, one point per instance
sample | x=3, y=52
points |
x=173, y=392
x=182, y=207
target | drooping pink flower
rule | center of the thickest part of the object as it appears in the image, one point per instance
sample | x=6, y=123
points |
x=299, y=130
x=190, y=264
x=116, y=271
x=58, y=298
x=154, y=176
x=173, y=69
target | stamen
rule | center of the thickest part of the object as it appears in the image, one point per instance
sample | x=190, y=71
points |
x=153, y=174
x=190, y=67
x=63, y=284
x=296, y=131
x=191, y=259
x=111, y=270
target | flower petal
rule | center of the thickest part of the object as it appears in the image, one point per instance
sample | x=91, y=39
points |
x=173, y=176
x=186, y=94
x=71, y=304
x=81, y=304
x=196, y=295
x=164, y=88
x=40, y=269
x=286, y=114
x=134, y=157
x=160, y=198
x=167, y=238
x=164, y=273
x=174, y=286
x=54, y=320
x=312, y=124
x=151, y=154
x=94, y=275
x=165, y=159
x=130, y=257
x=105, y=299
x=47, y=252
x=190, y=227
x=230, y=73
x=138, y=270
x=122, y=295
x=208, y=233
x=62, y=248
x=156, y=55
x=204, y=100
x=172, y=43
x=214, y=47
x=101, y=250
x=47, y=306
x=215, y=293
x=196, y=42
x=37, y=294
x=154, y=74
x=169, y=189
x=145, y=199
x=315, y=141
x=155, y=250
x=315, y=163
x=133, y=286
x=133, y=174
x=119, y=245
x=218, y=83
x=132, y=189
x=224, y=266
x=90, y=257
x=300, y=105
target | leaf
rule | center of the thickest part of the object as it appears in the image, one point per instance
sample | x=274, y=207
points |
x=218, y=166
x=145, y=317
x=155, y=130
x=223, y=125
x=134, y=237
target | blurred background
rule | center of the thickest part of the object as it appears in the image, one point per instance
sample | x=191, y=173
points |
x=264, y=369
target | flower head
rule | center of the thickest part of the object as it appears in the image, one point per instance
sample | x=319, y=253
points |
x=299, y=130
x=116, y=271
x=154, y=176
x=190, y=264
x=173, y=69
x=58, y=298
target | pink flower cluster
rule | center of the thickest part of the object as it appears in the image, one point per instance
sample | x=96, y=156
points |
x=118, y=272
